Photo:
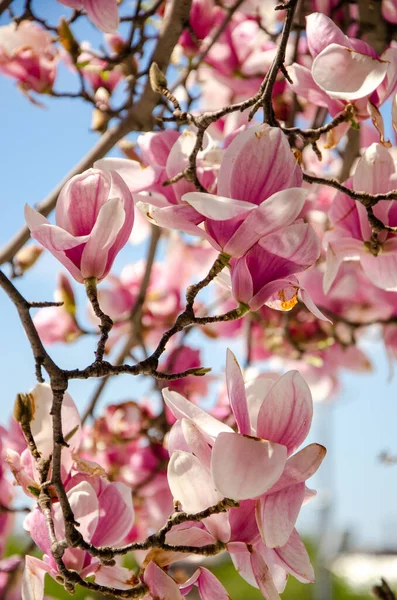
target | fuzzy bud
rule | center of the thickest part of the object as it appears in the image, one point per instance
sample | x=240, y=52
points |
x=158, y=80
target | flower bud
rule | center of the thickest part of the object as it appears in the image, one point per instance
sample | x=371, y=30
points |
x=26, y=257
x=23, y=408
x=158, y=80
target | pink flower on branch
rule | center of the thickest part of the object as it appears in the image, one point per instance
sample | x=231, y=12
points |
x=94, y=218
x=258, y=194
x=345, y=70
x=103, y=13
x=28, y=55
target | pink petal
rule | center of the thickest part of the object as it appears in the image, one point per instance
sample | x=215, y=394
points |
x=286, y=413
x=183, y=409
x=103, y=13
x=321, y=31
x=33, y=578
x=245, y=467
x=84, y=503
x=277, y=514
x=243, y=523
x=218, y=208
x=116, y=514
x=236, y=393
x=257, y=164
x=346, y=74
x=80, y=200
x=210, y=588
x=156, y=147
x=337, y=252
x=276, y=212
x=263, y=577
x=382, y=269
x=307, y=300
x=196, y=442
x=297, y=243
x=161, y=586
x=115, y=576
x=373, y=172
x=305, y=86
x=301, y=466
x=257, y=390
x=41, y=425
x=296, y=559
x=191, y=483
x=107, y=227
x=137, y=177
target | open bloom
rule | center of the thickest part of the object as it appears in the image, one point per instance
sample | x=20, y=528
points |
x=94, y=218
x=103, y=13
x=258, y=194
x=350, y=234
x=28, y=55
x=265, y=274
x=344, y=70
x=257, y=466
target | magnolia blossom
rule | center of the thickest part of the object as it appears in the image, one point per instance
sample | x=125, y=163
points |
x=258, y=194
x=58, y=323
x=103, y=13
x=344, y=70
x=256, y=466
x=28, y=55
x=350, y=234
x=94, y=218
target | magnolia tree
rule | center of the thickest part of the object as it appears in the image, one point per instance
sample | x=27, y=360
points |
x=250, y=141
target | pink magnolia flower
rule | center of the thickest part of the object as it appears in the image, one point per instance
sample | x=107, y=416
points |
x=258, y=194
x=345, y=70
x=256, y=466
x=279, y=411
x=28, y=55
x=389, y=10
x=94, y=218
x=105, y=513
x=203, y=17
x=350, y=235
x=180, y=359
x=103, y=13
x=265, y=274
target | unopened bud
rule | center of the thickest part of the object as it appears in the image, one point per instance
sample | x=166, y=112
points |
x=23, y=408
x=99, y=120
x=158, y=80
x=67, y=39
x=128, y=149
x=64, y=293
x=26, y=257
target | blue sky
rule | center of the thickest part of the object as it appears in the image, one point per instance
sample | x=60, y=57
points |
x=39, y=146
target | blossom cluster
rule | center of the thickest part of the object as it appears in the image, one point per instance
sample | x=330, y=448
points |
x=297, y=253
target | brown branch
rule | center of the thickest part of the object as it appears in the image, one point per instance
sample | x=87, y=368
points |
x=383, y=591
x=106, y=322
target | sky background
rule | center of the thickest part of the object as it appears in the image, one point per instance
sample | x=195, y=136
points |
x=38, y=148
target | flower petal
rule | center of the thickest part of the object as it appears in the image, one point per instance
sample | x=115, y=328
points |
x=244, y=467
x=286, y=413
x=346, y=74
x=236, y=393
x=277, y=513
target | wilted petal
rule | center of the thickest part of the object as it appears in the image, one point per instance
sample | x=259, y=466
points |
x=346, y=74
x=236, y=393
x=277, y=514
x=116, y=577
x=263, y=577
x=245, y=467
x=161, y=586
